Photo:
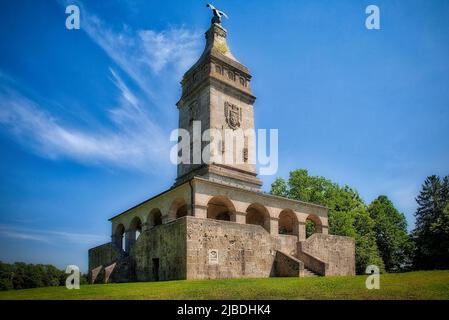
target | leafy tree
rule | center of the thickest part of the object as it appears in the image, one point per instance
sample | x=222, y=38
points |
x=279, y=187
x=22, y=276
x=431, y=234
x=310, y=228
x=6, y=274
x=390, y=229
x=348, y=215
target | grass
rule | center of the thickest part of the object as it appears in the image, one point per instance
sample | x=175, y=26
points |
x=404, y=286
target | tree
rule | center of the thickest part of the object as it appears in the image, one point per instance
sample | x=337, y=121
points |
x=390, y=229
x=348, y=215
x=431, y=234
x=22, y=276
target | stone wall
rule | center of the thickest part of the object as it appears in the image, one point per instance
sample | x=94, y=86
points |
x=336, y=251
x=103, y=255
x=107, y=263
x=288, y=244
x=160, y=253
x=286, y=266
x=243, y=251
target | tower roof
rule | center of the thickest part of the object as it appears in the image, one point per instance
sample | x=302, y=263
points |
x=217, y=49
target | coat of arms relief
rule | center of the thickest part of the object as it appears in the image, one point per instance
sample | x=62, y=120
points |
x=233, y=115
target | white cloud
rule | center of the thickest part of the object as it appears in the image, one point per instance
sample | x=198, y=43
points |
x=145, y=55
x=135, y=141
x=49, y=236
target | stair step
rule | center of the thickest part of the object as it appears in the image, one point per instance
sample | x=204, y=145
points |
x=309, y=273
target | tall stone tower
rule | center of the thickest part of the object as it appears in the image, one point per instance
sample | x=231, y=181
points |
x=214, y=223
x=216, y=92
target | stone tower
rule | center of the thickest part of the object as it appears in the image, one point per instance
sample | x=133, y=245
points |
x=214, y=223
x=216, y=93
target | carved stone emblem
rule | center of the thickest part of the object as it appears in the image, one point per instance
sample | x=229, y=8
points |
x=233, y=115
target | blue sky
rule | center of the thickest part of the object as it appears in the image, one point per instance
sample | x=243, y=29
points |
x=85, y=115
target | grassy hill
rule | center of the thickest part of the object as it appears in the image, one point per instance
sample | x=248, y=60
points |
x=412, y=285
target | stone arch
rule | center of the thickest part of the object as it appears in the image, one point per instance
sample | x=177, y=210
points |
x=154, y=218
x=178, y=209
x=221, y=208
x=257, y=214
x=288, y=222
x=135, y=229
x=119, y=236
x=313, y=225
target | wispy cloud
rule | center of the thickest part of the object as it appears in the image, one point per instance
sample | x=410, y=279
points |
x=136, y=141
x=145, y=54
x=49, y=236
x=134, y=136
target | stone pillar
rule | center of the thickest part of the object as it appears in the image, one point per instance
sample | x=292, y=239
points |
x=117, y=240
x=130, y=238
x=166, y=219
x=146, y=226
x=200, y=211
x=240, y=217
x=324, y=230
x=274, y=226
x=301, y=231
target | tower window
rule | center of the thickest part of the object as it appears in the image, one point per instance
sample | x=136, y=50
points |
x=231, y=75
x=217, y=69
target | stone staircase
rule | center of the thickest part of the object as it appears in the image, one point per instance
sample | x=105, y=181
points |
x=309, y=273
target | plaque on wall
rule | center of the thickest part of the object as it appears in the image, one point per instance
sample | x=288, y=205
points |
x=213, y=256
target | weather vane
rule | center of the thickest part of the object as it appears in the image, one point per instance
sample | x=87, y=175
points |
x=217, y=14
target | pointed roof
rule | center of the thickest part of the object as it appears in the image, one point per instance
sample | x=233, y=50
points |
x=217, y=49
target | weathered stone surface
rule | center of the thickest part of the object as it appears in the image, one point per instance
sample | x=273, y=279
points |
x=337, y=251
x=286, y=265
x=160, y=253
x=103, y=255
x=243, y=250
x=288, y=244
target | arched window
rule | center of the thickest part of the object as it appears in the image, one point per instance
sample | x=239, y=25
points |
x=288, y=222
x=257, y=214
x=182, y=211
x=135, y=228
x=155, y=218
x=313, y=225
x=178, y=209
x=220, y=208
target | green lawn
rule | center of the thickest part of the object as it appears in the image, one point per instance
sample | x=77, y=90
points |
x=413, y=285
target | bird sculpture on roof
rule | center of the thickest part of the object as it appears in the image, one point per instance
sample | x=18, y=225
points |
x=217, y=14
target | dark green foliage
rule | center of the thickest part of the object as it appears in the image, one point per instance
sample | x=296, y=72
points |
x=24, y=276
x=390, y=229
x=348, y=215
x=431, y=234
x=310, y=228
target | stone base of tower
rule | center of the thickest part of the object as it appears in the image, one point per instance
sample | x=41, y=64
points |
x=224, y=175
x=207, y=230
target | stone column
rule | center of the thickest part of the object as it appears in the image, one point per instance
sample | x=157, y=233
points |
x=200, y=211
x=301, y=231
x=130, y=238
x=274, y=226
x=146, y=226
x=240, y=217
x=117, y=240
x=324, y=230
